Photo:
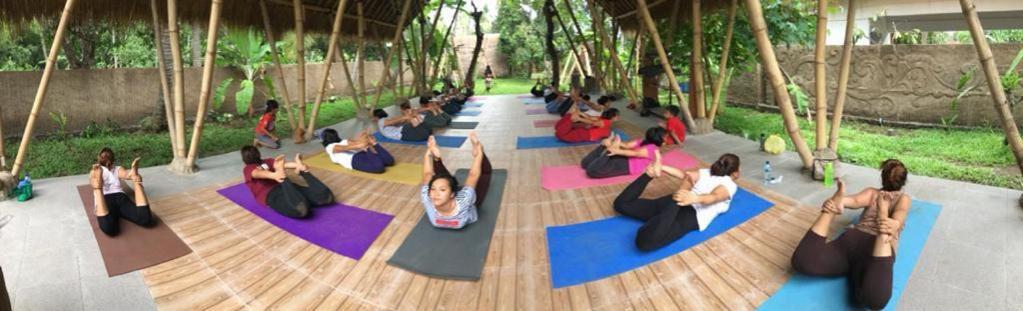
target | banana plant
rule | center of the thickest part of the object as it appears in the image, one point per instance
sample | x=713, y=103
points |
x=246, y=51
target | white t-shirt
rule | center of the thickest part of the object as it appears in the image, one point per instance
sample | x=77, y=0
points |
x=111, y=183
x=392, y=132
x=707, y=183
x=343, y=158
x=593, y=112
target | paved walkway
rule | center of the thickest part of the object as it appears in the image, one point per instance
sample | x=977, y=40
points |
x=972, y=260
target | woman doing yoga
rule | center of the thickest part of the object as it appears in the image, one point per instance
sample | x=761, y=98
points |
x=616, y=158
x=269, y=183
x=408, y=127
x=360, y=153
x=575, y=127
x=446, y=203
x=112, y=203
x=703, y=194
x=865, y=253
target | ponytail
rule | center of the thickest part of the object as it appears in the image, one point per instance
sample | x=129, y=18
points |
x=725, y=165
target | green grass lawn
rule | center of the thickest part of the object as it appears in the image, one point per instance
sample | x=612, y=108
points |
x=976, y=156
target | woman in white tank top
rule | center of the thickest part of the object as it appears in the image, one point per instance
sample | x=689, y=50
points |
x=111, y=202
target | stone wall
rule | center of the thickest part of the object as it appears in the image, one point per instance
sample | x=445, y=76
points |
x=489, y=54
x=906, y=83
x=125, y=96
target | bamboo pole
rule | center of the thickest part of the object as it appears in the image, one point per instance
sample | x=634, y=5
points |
x=843, y=76
x=300, y=60
x=361, y=54
x=571, y=43
x=268, y=31
x=781, y=95
x=652, y=30
x=614, y=53
x=335, y=33
x=696, y=72
x=401, y=68
x=723, y=63
x=351, y=82
x=398, y=30
x=161, y=65
x=443, y=45
x=548, y=12
x=820, y=70
x=179, y=85
x=586, y=47
x=37, y=104
x=207, y=80
x=994, y=81
x=3, y=153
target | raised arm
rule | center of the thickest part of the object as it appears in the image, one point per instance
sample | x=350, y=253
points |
x=427, y=167
x=632, y=153
x=396, y=121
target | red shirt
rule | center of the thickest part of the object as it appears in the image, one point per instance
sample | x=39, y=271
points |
x=598, y=133
x=266, y=123
x=675, y=126
x=259, y=187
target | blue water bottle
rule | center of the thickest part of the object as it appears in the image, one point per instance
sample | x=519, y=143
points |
x=767, y=172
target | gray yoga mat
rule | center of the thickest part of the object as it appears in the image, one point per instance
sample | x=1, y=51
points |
x=463, y=125
x=453, y=254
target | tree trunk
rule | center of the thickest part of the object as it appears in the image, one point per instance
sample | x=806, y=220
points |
x=299, y=12
x=571, y=43
x=361, y=54
x=548, y=11
x=335, y=33
x=587, y=52
x=651, y=29
x=196, y=46
x=275, y=54
x=444, y=43
x=843, y=76
x=820, y=69
x=602, y=37
x=209, y=63
x=696, y=71
x=723, y=64
x=781, y=95
x=163, y=53
x=994, y=81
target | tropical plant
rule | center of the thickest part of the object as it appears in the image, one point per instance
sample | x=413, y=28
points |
x=1011, y=81
x=247, y=52
x=964, y=87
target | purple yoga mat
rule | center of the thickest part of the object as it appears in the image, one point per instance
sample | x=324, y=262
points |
x=536, y=111
x=343, y=229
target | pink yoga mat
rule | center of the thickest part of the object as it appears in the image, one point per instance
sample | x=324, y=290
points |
x=536, y=111
x=544, y=123
x=574, y=177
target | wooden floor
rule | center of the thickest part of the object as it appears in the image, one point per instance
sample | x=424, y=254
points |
x=243, y=262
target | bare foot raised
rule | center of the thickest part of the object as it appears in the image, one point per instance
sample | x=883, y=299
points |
x=431, y=145
x=835, y=205
x=134, y=173
x=299, y=165
x=477, y=148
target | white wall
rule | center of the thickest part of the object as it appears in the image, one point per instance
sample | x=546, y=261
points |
x=927, y=15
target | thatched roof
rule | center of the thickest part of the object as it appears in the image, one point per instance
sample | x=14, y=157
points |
x=624, y=11
x=381, y=15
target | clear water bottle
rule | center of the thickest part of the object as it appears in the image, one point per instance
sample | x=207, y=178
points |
x=767, y=172
x=27, y=180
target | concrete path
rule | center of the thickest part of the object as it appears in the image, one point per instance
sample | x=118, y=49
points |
x=973, y=259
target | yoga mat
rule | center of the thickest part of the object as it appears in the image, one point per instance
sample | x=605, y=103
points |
x=135, y=247
x=544, y=123
x=472, y=105
x=803, y=292
x=535, y=111
x=343, y=229
x=598, y=249
x=574, y=177
x=468, y=113
x=526, y=96
x=463, y=125
x=402, y=173
x=535, y=142
x=453, y=254
x=533, y=101
x=443, y=141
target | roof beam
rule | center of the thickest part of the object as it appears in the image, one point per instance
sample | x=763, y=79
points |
x=321, y=9
x=633, y=12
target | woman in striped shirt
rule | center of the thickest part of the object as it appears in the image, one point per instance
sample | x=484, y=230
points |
x=447, y=204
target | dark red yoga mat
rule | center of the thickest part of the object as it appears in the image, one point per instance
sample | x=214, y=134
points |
x=135, y=247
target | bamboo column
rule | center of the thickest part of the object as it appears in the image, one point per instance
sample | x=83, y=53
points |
x=696, y=72
x=586, y=47
x=361, y=54
x=631, y=93
x=723, y=63
x=161, y=65
x=207, y=80
x=548, y=12
x=571, y=43
x=277, y=63
x=652, y=30
x=820, y=70
x=401, y=68
x=300, y=55
x=37, y=104
x=177, y=165
x=994, y=81
x=443, y=45
x=335, y=33
x=395, y=46
x=351, y=82
x=843, y=76
x=3, y=153
x=781, y=95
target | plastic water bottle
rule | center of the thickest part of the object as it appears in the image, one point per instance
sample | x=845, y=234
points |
x=767, y=172
x=27, y=180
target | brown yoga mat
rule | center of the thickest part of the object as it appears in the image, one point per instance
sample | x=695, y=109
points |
x=135, y=247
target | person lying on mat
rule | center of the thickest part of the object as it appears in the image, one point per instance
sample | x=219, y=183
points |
x=407, y=127
x=111, y=202
x=270, y=186
x=360, y=153
x=433, y=116
x=265, y=128
x=447, y=204
x=676, y=130
x=575, y=127
x=865, y=253
x=561, y=103
x=595, y=109
x=538, y=89
x=703, y=194
x=616, y=158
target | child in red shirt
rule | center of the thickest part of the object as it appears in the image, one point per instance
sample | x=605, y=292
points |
x=265, y=128
x=676, y=129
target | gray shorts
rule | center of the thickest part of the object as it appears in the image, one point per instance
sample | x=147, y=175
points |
x=268, y=141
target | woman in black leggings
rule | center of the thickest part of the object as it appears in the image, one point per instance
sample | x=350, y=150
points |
x=269, y=184
x=111, y=202
x=865, y=253
x=702, y=195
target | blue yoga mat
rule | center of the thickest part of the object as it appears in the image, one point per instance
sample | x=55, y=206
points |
x=598, y=249
x=472, y=105
x=443, y=141
x=535, y=142
x=803, y=292
x=468, y=113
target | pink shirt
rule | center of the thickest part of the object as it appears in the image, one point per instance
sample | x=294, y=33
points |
x=638, y=164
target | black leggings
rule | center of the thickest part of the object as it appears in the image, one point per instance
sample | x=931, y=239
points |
x=482, y=185
x=665, y=221
x=850, y=255
x=370, y=162
x=600, y=165
x=537, y=92
x=436, y=120
x=451, y=108
x=292, y=200
x=121, y=206
x=415, y=133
